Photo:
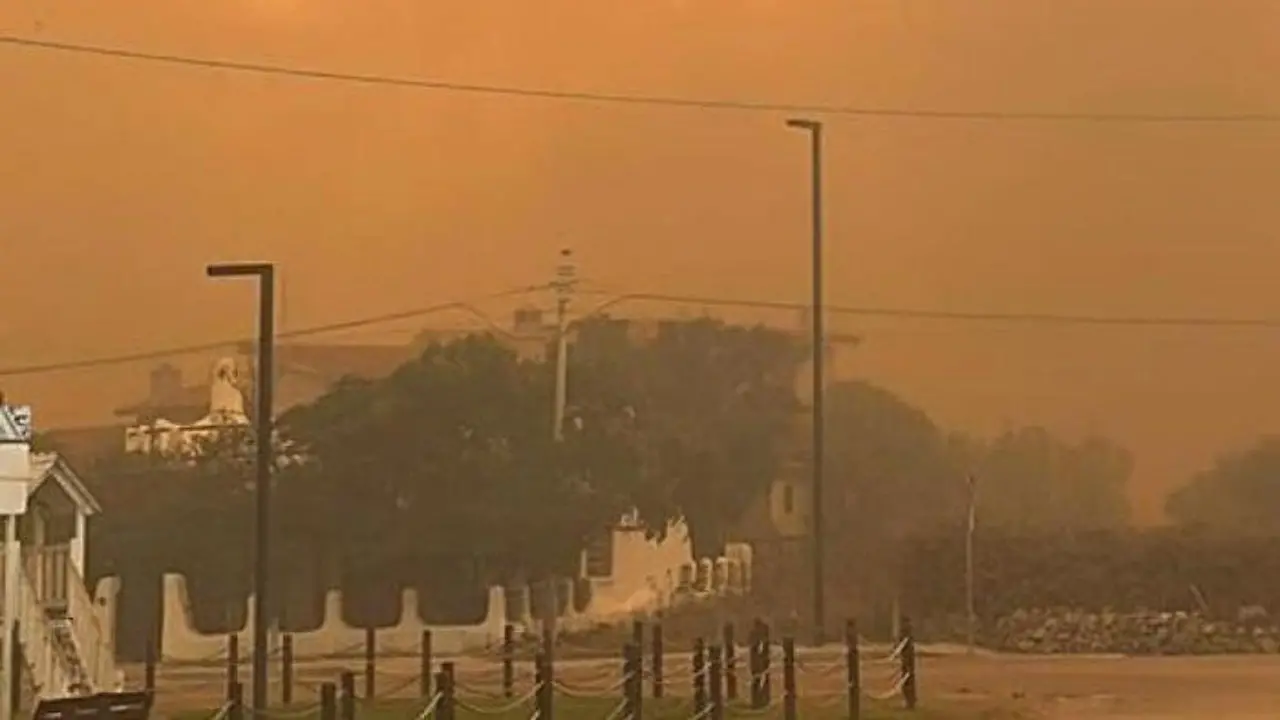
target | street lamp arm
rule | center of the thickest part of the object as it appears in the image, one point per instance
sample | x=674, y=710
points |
x=804, y=124
x=253, y=269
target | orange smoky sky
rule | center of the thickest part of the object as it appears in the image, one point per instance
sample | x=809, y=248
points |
x=119, y=180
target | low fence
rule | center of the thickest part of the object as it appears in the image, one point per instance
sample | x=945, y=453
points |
x=763, y=677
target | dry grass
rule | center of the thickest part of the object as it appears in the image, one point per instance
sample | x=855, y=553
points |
x=601, y=708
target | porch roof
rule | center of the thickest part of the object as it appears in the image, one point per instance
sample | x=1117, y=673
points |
x=52, y=467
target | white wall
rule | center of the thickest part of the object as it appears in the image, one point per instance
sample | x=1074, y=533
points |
x=646, y=578
x=645, y=572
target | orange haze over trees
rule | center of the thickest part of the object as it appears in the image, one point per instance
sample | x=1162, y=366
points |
x=122, y=179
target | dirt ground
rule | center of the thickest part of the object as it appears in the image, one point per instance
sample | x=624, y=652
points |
x=1182, y=688
x=1055, y=688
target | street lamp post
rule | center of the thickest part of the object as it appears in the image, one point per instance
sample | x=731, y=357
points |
x=971, y=523
x=814, y=128
x=265, y=273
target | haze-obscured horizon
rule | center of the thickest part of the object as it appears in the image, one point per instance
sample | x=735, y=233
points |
x=119, y=180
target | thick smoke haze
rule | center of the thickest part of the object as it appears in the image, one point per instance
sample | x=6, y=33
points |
x=119, y=180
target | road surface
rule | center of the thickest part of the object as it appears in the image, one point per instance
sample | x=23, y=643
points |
x=1182, y=688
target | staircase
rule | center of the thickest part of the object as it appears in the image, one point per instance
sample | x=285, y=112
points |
x=78, y=680
x=64, y=650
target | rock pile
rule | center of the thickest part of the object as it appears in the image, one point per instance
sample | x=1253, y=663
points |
x=1139, y=633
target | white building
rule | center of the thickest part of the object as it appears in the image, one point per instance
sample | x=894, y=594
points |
x=47, y=509
x=226, y=409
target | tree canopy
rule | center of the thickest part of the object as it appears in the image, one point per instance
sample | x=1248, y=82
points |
x=451, y=462
x=1030, y=480
x=1238, y=494
x=453, y=454
x=713, y=404
x=902, y=474
x=455, y=450
x=892, y=464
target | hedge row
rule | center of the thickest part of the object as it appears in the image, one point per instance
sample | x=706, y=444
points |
x=1123, y=571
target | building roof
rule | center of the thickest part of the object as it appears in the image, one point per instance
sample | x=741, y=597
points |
x=189, y=407
x=83, y=446
x=15, y=423
x=326, y=363
x=51, y=466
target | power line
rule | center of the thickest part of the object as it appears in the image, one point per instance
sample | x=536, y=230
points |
x=162, y=353
x=953, y=315
x=632, y=99
x=615, y=299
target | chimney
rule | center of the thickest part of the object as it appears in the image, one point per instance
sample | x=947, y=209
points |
x=166, y=385
x=528, y=320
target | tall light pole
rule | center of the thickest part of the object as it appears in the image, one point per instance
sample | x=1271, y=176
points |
x=814, y=128
x=971, y=524
x=266, y=275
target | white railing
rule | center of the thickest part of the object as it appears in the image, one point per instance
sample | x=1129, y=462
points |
x=51, y=582
x=94, y=646
x=50, y=571
x=50, y=677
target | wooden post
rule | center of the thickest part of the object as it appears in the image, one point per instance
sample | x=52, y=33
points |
x=766, y=664
x=789, y=678
x=632, y=680
x=370, y=662
x=853, y=671
x=508, y=660
x=233, y=662
x=715, y=682
x=328, y=701
x=235, y=700
x=549, y=671
x=549, y=625
x=699, y=677
x=910, y=691
x=149, y=669
x=448, y=692
x=286, y=669
x=656, y=649
x=443, y=712
x=730, y=664
x=756, y=667
x=628, y=681
x=425, y=664
x=347, y=695
x=637, y=679
x=545, y=688
x=637, y=635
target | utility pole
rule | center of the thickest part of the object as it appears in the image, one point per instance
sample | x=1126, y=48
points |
x=814, y=128
x=564, y=285
x=265, y=273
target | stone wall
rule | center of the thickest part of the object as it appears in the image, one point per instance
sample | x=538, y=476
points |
x=1065, y=631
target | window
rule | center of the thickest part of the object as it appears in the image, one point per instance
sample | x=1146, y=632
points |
x=599, y=555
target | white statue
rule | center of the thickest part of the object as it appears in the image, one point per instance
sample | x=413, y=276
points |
x=225, y=399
